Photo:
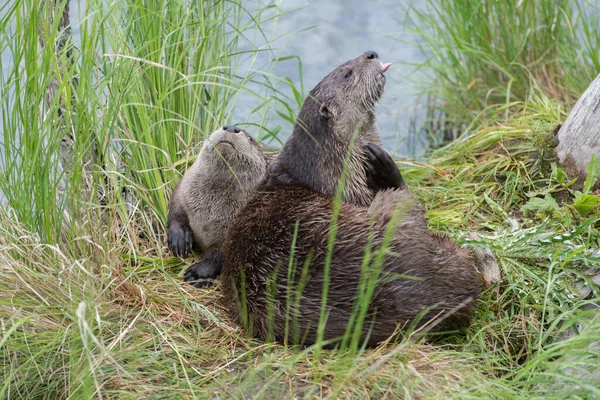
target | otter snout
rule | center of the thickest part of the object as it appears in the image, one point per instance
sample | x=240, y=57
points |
x=232, y=129
x=371, y=54
x=229, y=141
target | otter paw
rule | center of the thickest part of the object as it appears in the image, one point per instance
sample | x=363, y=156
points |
x=382, y=171
x=204, y=272
x=180, y=239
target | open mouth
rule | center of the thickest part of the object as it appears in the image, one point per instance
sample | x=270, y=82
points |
x=225, y=142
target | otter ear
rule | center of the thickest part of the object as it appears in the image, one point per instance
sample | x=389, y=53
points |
x=324, y=111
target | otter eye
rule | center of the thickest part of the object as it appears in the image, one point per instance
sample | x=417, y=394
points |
x=348, y=74
x=250, y=139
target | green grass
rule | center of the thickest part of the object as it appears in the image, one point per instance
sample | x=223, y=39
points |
x=93, y=305
x=493, y=53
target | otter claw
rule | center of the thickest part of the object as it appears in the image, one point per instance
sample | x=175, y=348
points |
x=189, y=239
x=202, y=273
x=180, y=240
x=381, y=170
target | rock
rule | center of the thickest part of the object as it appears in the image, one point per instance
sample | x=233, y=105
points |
x=579, y=135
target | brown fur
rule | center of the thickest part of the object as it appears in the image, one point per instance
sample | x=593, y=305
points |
x=423, y=277
x=337, y=110
x=260, y=243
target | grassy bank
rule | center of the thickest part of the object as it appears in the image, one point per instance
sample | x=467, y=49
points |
x=93, y=305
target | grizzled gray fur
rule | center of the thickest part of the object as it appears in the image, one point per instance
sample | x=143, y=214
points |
x=229, y=167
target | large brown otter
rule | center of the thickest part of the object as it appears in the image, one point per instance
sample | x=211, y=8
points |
x=422, y=277
x=230, y=165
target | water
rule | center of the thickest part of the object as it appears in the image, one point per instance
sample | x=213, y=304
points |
x=339, y=30
x=342, y=30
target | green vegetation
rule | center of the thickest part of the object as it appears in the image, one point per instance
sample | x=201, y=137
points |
x=91, y=301
x=483, y=56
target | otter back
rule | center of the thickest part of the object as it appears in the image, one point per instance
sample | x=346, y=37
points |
x=424, y=275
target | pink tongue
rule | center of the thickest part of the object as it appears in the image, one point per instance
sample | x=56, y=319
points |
x=385, y=67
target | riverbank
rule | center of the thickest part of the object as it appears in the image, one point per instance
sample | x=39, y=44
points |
x=91, y=300
x=121, y=322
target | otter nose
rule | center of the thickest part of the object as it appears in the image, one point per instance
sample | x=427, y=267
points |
x=371, y=54
x=232, y=129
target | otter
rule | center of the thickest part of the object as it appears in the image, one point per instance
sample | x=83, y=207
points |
x=278, y=254
x=336, y=117
x=229, y=166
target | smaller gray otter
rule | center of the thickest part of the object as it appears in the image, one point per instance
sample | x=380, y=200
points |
x=229, y=167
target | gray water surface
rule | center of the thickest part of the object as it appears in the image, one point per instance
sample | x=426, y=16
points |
x=341, y=30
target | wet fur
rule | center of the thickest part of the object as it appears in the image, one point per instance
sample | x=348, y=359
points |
x=315, y=157
x=299, y=190
x=260, y=244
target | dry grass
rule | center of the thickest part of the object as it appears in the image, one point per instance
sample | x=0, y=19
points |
x=152, y=335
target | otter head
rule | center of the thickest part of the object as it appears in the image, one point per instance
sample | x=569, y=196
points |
x=339, y=108
x=349, y=93
x=232, y=148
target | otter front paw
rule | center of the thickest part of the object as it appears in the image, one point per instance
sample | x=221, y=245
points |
x=180, y=238
x=382, y=171
x=205, y=271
